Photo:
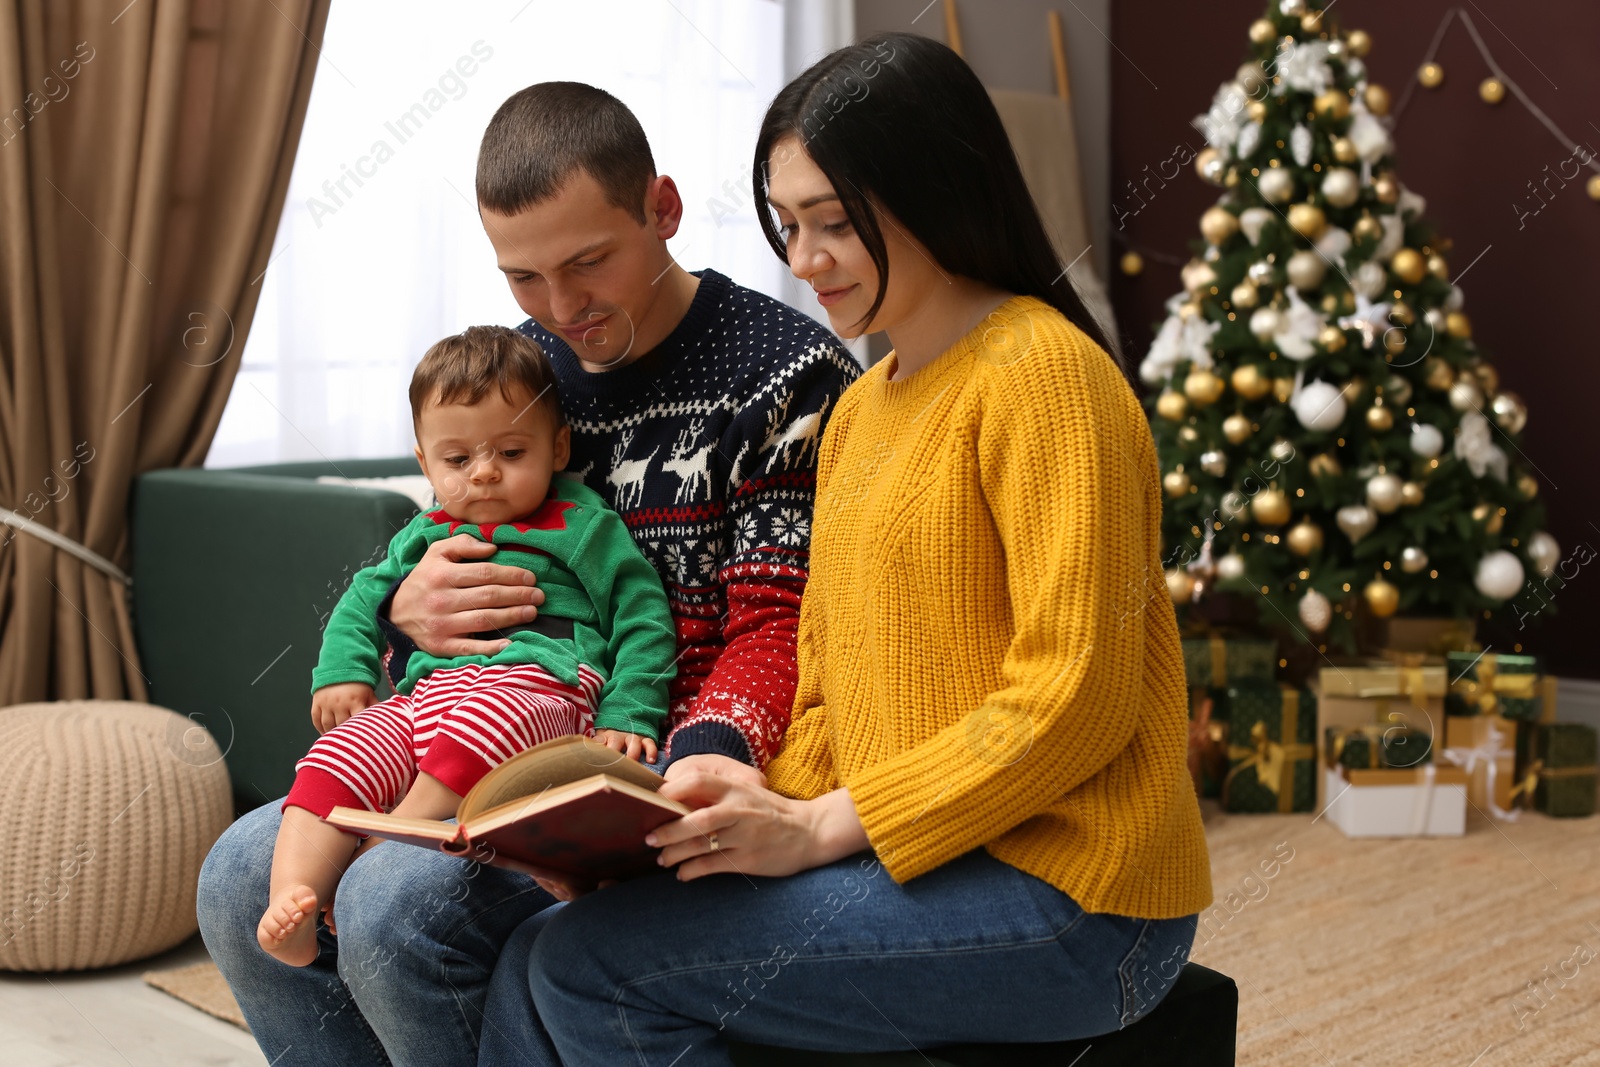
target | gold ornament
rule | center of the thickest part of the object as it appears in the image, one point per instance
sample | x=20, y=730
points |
x=1330, y=303
x=1237, y=429
x=1359, y=42
x=1132, y=263
x=1413, y=559
x=1394, y=341
x=1311, y=22
x=1344, y=150
x=1377, y=98
x=1491, y=90
x=1244, y=295
x=1306, y=269
x=1593, y=187
x=1379, y=417
x=1333, y=104
x=1431, y=75
x=1352, y=389
x=1188, y=309
x=1307, y=220
x=1386, y=189
x=1456, y=324
x=1218, y=224
x=1367, y=228
x=1202, y=387
x=1490, y=517
x=1270, y=507
x=1176, y=483
x=1325, y=465
x=1283, y=389
x=1209, y=165
x=1402, y=313
x=1438, y=374
x=1411, y=494
x=1381, y=597
x=1438, y=267
x=1510, y=412
x=1171, y=405
x=1250, y=383
x=1409, y=266
x=1331, y=338
x=1263, y=31
x=1488, y=377
x=1465, y=395
x=1188, y=435
x=1305, y=537
x=1527, y=485
x=1256, y=109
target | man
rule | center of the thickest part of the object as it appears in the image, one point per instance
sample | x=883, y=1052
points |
x=696, y=409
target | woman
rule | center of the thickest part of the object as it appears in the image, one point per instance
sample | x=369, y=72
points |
x=980, y=827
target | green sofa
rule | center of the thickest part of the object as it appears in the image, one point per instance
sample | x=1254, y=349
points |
x=234, y=573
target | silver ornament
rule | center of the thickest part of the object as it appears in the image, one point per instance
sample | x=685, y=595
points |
x=1307, y=269
x=1510, y=412
x=1544, y=553
x=1251, y=78
x=1261, y=272
x=1356, y=520
x=1251, y=219
x=1465, y=395
x=1213, y=462
x=1265, y=322
x=1319, y=406
x=1369, y=280
x=1413, y=560
x=1397, y=390
x=1315, y=611
x=1214, y=170
x=1435, y=320
x=1230, y=566
x=1426, y=440
x=1341, y=187
x=1293, y=8
x=1383, y=493
x=1282, y=450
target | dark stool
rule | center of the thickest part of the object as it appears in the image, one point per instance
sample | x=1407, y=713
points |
x=1193, y=1026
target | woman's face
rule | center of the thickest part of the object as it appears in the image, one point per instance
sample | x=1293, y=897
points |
x=825, y=253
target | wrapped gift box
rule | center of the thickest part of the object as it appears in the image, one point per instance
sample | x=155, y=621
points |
x=1271, y=751
x=1366, y=692
x=1375, y=745
x=1485, y=747
x=1217, y=662
x=1432, y=636
x=1426, y=801
x=1561, y=770
x=1494, y=683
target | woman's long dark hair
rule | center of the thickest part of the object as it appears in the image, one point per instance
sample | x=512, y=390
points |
x=902, y=122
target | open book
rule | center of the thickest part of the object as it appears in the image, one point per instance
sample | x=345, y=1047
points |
x=570, y=805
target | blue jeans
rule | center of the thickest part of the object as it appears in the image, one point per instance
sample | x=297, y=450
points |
x=405, y=980
x=838, y=958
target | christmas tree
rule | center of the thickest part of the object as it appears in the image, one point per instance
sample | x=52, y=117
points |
x=1329, y=433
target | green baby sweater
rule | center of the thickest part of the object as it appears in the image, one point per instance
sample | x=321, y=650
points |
x=591, y=572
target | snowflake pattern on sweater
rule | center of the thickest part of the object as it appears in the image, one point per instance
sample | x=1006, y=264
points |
x=707, y=447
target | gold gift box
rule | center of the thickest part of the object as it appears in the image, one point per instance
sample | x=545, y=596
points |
x=1485, y=747
x=1378, y=692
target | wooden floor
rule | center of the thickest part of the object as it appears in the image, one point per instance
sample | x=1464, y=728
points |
x=112, y=1018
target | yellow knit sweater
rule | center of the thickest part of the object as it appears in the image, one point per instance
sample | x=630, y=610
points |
x=987, y=652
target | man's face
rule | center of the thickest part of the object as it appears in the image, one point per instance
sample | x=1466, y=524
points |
x=585, y=269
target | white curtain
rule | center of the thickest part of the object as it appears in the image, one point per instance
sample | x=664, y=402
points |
x=380, y=252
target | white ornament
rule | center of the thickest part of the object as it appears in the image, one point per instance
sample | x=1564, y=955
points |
x=1341, y=187
x=1475, y=445
x=1214, y=462
x=1356, y=520
x=1179, y=339
x=1369, y=280
x=1367, y=134
x=1305, y=69
x=1464, y=395
x=1249, y=140
x=1315, y=611
x=1353, y=65
x=1426, y=440
x=1265, y=322
x=1197, y=276
x=1220, y=124
x=1251, y=219
x=1230, y=566
x=1394, y=235
x=1410, y=204
x=1371, y=319
x=1276, y=185
x=1454, y=299
x=1318, y=406
x=1413, y=559
x=1298, y=330
x=1261, y=272
x=1300, y=145
x=1383, y=493
x=1306, y=269
x=1499, y=575
x=1544, y=552
x=1333, y=244
x=1293, y=8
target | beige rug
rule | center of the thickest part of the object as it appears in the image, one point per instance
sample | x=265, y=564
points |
x=1415, y=951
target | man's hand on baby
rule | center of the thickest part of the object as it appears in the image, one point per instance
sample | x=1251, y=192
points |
x=333, y=704
x=631, y=745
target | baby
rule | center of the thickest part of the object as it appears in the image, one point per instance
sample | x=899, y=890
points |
x=596, y=660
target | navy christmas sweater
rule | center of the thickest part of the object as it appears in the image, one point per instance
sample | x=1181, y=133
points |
x=707, y=448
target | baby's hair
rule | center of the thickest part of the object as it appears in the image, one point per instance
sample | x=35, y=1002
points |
x=461, y=369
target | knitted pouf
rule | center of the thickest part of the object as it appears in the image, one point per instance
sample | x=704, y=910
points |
x=107, y=809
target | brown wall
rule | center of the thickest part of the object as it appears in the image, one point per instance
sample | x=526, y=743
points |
x=1532, y=296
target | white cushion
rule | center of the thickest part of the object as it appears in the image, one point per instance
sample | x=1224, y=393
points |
x=415, y=486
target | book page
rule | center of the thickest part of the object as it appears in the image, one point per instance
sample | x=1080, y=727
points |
x=547, y=766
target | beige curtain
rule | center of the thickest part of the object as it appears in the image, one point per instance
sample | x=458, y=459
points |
x=145, y=151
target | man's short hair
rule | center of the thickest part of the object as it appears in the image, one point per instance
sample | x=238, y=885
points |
x=461, y=369
x=544, y=133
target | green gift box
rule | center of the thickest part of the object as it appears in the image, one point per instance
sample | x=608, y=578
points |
x=1404, y=746
x=1493, y=683
x=1271, y=756
x=1217, y=662
x=1561, y=770
x=1361, y=748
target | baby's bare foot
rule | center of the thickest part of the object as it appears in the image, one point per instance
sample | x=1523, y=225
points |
x=288, y=930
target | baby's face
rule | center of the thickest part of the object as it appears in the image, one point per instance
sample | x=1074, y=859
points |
x=491, y=461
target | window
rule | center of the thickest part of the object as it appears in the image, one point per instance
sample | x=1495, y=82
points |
x=380, y=252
